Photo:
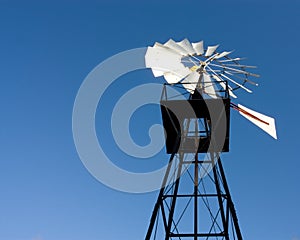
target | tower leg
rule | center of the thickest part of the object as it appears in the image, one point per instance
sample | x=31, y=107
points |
x=159, y=202
x=229, y=200
x=213, y=212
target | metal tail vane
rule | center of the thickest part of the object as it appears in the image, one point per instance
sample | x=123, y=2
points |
x=197, y=67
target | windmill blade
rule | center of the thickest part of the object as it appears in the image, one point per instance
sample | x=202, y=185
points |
x=223, y=85
x=209, y=86
x=262, y=121
x=223, y=54
x=162, y=60
x=187, y=46
x=159, y=45
x=176, y=75
x=172, y=78
x=210, y=50
x=157, y=73
x=190, y=82
x=198, y=46
x=177, y=48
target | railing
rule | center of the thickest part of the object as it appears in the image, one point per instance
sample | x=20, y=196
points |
x=221, y=90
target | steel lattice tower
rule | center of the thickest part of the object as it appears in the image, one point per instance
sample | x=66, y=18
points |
x=194, y=201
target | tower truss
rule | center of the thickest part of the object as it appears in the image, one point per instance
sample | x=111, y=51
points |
x=194, y=201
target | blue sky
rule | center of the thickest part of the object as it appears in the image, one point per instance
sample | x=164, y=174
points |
x=48, y=48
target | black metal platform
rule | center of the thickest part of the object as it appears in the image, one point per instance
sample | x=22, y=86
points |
x=175, y=112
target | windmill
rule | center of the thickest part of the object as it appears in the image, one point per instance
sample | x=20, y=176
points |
x=194, y=201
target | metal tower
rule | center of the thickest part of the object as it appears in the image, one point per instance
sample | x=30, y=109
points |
x=194, y=201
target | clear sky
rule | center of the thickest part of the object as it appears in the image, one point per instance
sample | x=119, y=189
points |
x=48, y=47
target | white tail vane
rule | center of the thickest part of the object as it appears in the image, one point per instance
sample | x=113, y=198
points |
x=262, y=121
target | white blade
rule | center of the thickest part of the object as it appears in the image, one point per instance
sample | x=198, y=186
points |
x=223, y=85
x=210, y=50
x=223, y=54
x=172, y=78
x=185, y=43
x=157, y=73
x=176, y=75
x=192, y=81
x=174, y=46
x=198, y=46
x=262, y=121
x=162, y=60
x=159, y=45
x=209, y=86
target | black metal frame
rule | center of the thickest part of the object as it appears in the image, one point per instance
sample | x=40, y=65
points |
x=223, y=222
x=226, y=206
